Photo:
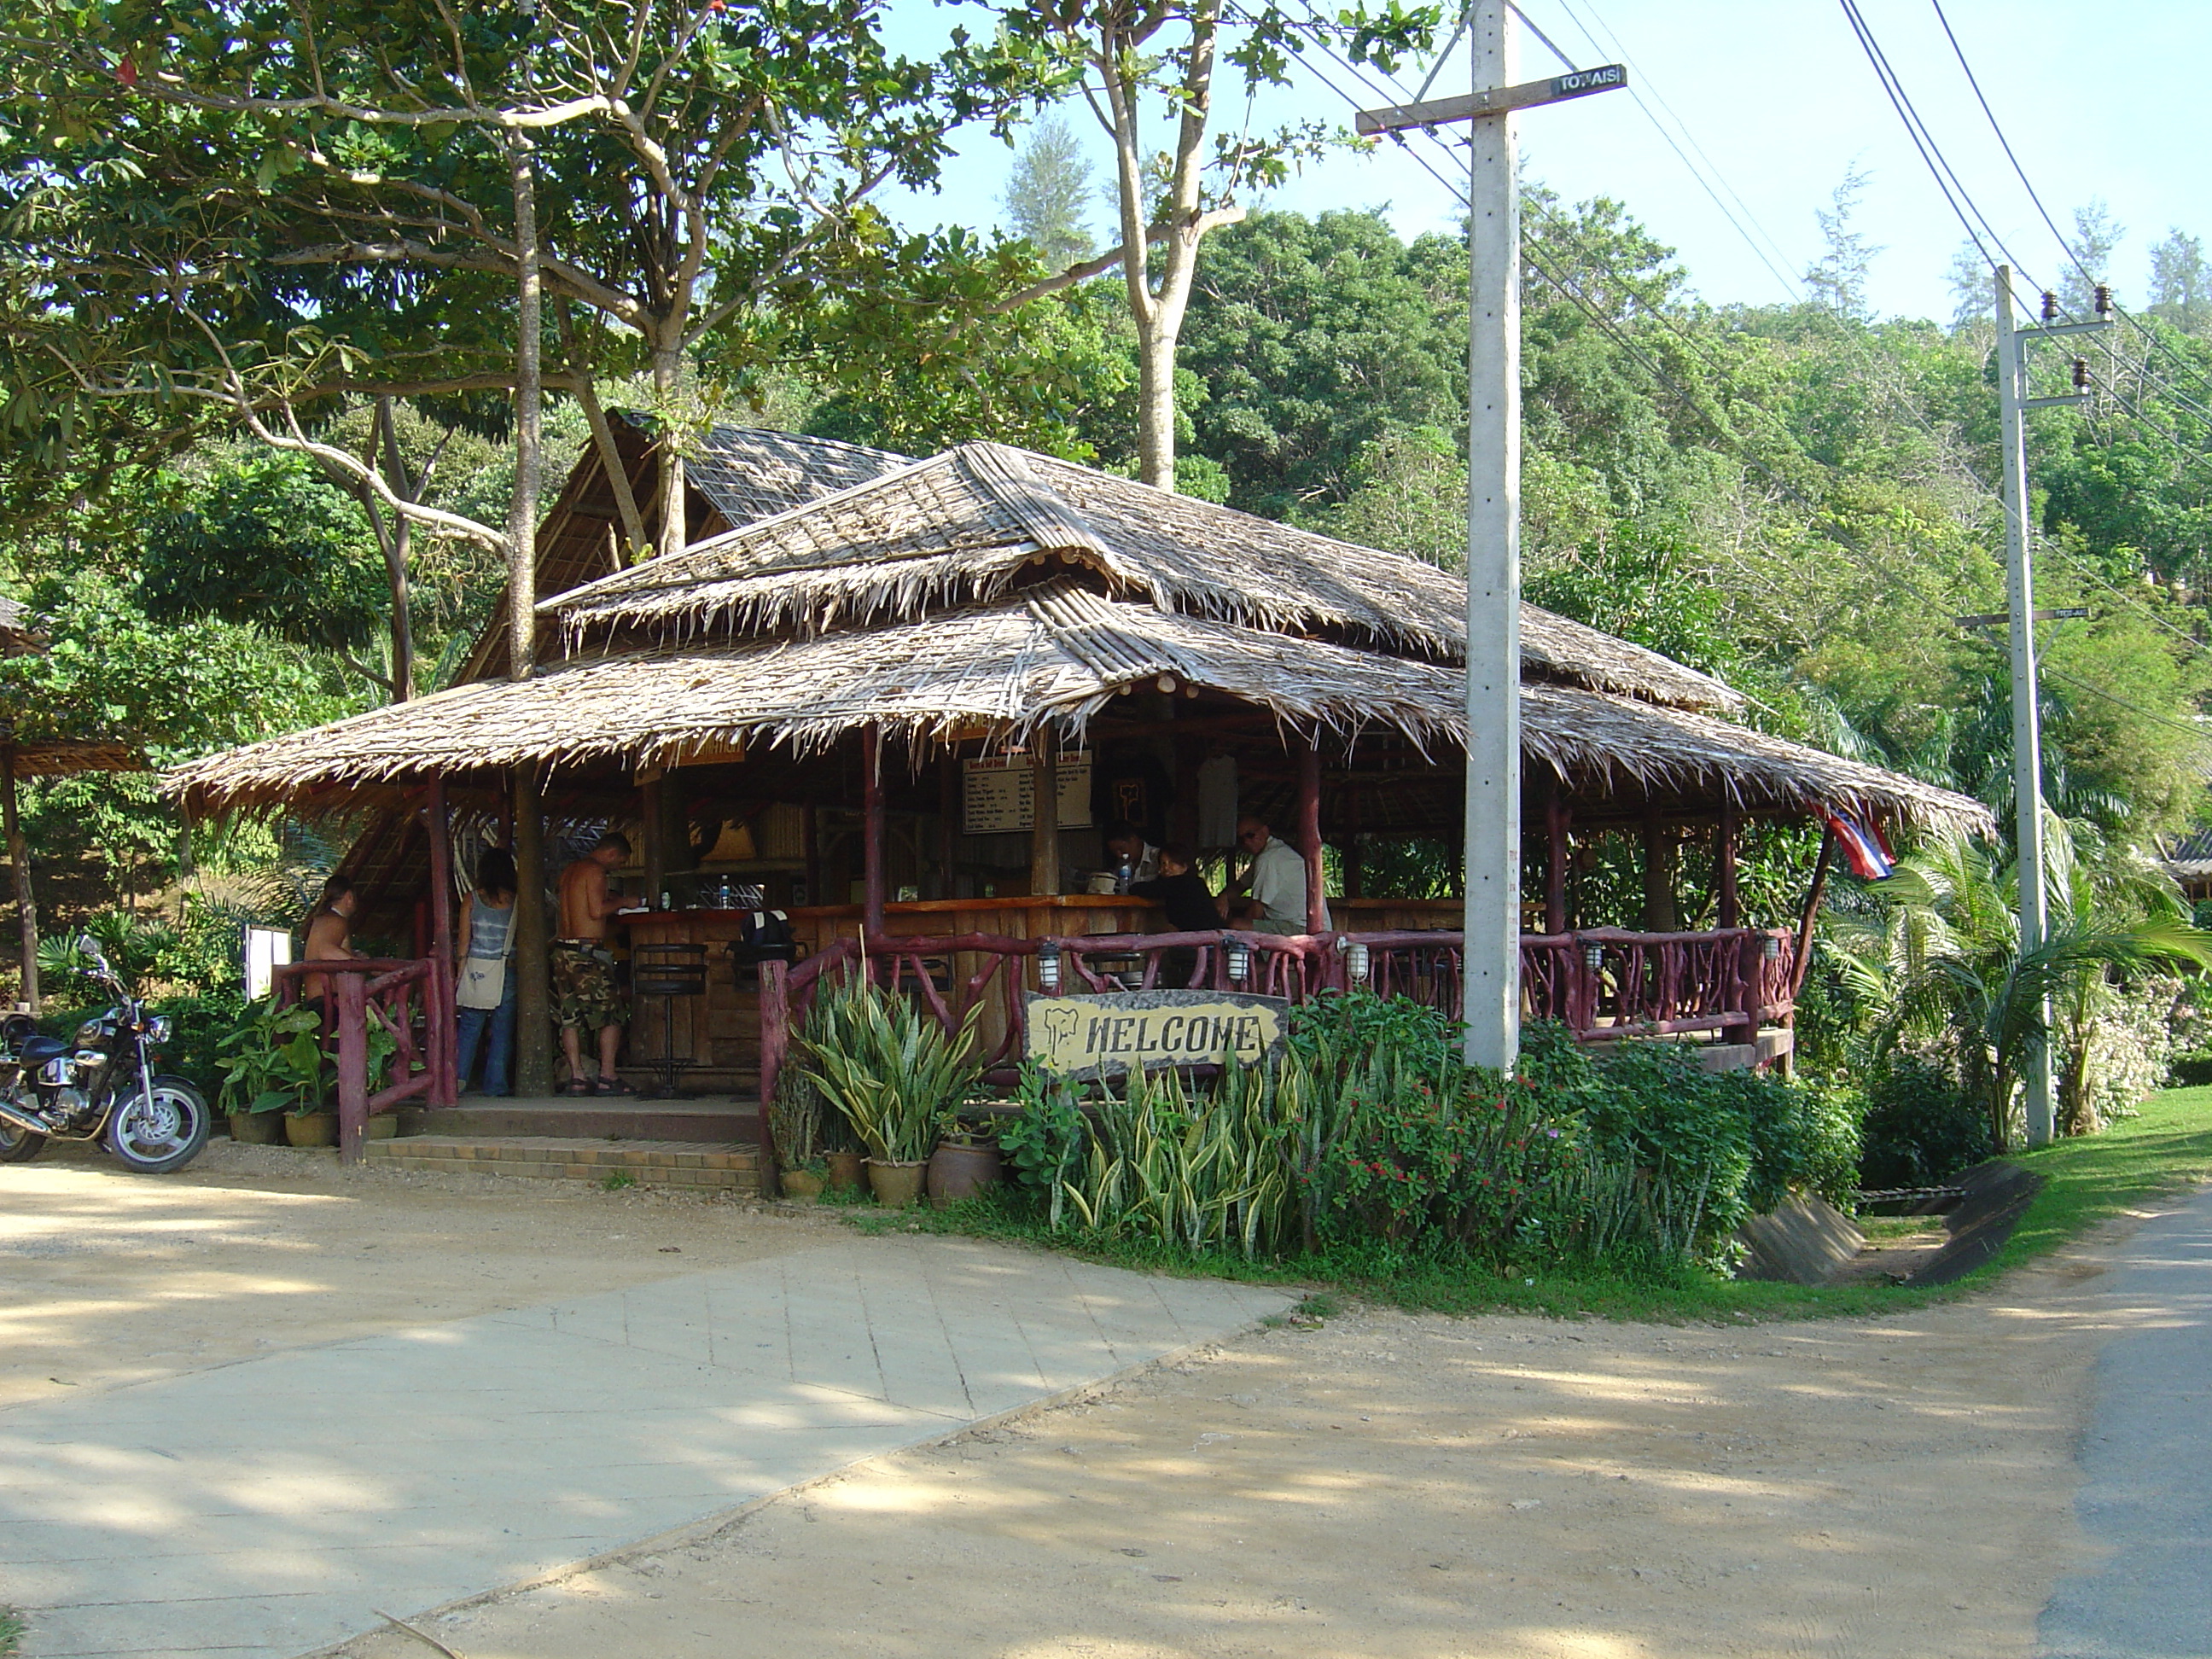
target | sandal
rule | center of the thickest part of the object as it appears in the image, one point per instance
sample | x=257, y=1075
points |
x=612, y=1085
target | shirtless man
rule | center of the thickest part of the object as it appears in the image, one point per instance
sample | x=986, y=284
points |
x=329, y=931
x=585, y=997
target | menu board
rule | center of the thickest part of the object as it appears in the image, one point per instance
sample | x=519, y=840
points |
x=999, y=794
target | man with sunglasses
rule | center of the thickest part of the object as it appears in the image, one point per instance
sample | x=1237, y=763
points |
x=1276, y=880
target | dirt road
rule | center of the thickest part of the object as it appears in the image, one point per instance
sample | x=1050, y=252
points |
x=1385, y=1484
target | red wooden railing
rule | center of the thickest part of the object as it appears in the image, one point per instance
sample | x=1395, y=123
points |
x=411, y=998
x=1603, y=984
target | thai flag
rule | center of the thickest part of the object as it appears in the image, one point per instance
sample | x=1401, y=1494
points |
x=1865, y=850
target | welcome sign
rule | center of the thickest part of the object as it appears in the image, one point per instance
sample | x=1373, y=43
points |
x=1113, y=1034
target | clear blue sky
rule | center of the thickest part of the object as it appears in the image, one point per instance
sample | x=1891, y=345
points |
x=2098, y=98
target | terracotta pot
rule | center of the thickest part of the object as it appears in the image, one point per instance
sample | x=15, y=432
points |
x=257, y=1128
x=958, y=1171
x=801, y=1183
x=311, y=1128
x=384, y=1126
x=847, y=1169
x=896, y=1185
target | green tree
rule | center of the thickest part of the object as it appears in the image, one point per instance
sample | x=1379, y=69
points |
x=2181, y=284
x=1048, y=192
x=1837, y=279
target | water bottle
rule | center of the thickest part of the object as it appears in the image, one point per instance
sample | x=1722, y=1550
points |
x=1124, y=875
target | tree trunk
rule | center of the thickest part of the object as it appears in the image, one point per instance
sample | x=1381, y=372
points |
x=1158, y=313
x=397, y=550
x=534, y=1035
x=19, y=856
x=675, y=531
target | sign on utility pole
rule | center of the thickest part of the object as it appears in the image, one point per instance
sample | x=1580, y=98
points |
x=2020, y=593
x=1491, y=957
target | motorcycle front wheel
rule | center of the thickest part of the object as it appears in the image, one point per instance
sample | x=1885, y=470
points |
x=159, y=1129
x=19, y=1145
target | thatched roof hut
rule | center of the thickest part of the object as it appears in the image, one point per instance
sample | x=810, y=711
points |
x=988, y=591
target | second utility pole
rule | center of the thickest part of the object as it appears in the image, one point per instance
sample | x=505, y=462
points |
x=2027, y=710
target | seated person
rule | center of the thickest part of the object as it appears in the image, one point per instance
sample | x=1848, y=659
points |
x=1126, y=844
x=1181, y=891
x=1191, y=907
x=1277, y=882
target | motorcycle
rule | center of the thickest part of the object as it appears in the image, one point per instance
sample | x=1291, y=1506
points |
x=100, y=1085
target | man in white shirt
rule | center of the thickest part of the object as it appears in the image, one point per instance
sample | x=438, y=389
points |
x=1126, y=844
x=1277, y=880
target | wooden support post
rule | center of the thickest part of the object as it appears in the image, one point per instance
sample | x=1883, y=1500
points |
x=653, y=807
x=775, y=1045
x=440, y=1018
x=1044, y=820
x=1804, y=960
x=1310, y=834
x=1352, y=854
x=872, y=833
x=810, y=849
x=18, y=860
x=1559, y=817
x=533, y=987
x=1659, y=915
x=1728, y=909
x=948, y=822
x=352, y=994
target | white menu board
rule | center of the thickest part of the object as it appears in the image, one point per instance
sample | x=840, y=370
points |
x=999, y=794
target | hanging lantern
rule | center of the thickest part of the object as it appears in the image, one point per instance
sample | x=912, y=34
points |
x=1594, y=955
x=1356, y=963
x=1049, y=967
x=1240, y=962
x=1771, y=947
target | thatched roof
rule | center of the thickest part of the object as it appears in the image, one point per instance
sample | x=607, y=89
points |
x=975, y=523
x=60, y=758
x=19, y=630
x=751, y=473
x=1058, y=653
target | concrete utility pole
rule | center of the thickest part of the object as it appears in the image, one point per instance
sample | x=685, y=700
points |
x=2019, y=584
x=1492, y=957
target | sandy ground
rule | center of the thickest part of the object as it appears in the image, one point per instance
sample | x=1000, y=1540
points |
x=1385, y=1484
x=1398, y=1484
x=106, y=1277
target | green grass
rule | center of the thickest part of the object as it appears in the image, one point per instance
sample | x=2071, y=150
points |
x=2090, y=1181
x=11, y=1631
x=2093, y=1178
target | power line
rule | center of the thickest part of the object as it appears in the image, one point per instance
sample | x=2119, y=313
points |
x=1820, y=517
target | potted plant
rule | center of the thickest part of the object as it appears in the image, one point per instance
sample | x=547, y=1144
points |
x=794, y=1128
x=893, y=1072
x=966, y=1162
x=261, y=1063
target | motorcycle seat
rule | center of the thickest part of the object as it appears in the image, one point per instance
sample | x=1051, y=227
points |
x=38, y=1050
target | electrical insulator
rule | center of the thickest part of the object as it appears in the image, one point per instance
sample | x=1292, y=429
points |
x=2080, y=374
x=2049, y=306
x=2104, y=300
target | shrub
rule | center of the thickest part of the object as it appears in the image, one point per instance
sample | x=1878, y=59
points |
x=1920, y=1129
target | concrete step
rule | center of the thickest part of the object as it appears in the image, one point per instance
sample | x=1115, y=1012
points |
x=716, y=1120
x=574, y=1158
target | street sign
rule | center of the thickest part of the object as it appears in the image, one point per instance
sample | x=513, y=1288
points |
x=1997, y=618
x=1497, y=100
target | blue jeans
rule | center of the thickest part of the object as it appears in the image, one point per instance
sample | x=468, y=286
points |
x=500, y=1021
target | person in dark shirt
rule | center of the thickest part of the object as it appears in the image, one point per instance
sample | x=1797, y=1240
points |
x=1181, y=891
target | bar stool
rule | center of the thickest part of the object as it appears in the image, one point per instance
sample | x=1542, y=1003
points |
x=669, y=971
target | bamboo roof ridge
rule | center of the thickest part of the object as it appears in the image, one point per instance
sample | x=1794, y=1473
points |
x=974, y=523
x=751, y=472
x=1056, y=654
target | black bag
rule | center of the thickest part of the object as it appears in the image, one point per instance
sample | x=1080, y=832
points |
x=763, y=936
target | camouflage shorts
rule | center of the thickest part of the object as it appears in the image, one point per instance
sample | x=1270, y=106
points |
x=585, y=995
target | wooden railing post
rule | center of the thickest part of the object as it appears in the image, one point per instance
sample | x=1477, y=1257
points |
x=775, y=1047
x=440, y=1015
x=352, y=996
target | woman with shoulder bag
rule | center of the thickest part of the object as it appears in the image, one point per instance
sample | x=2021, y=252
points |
x=483, y=976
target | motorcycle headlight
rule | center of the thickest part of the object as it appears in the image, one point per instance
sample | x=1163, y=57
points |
x=89, y=1034
x=157, y=1029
